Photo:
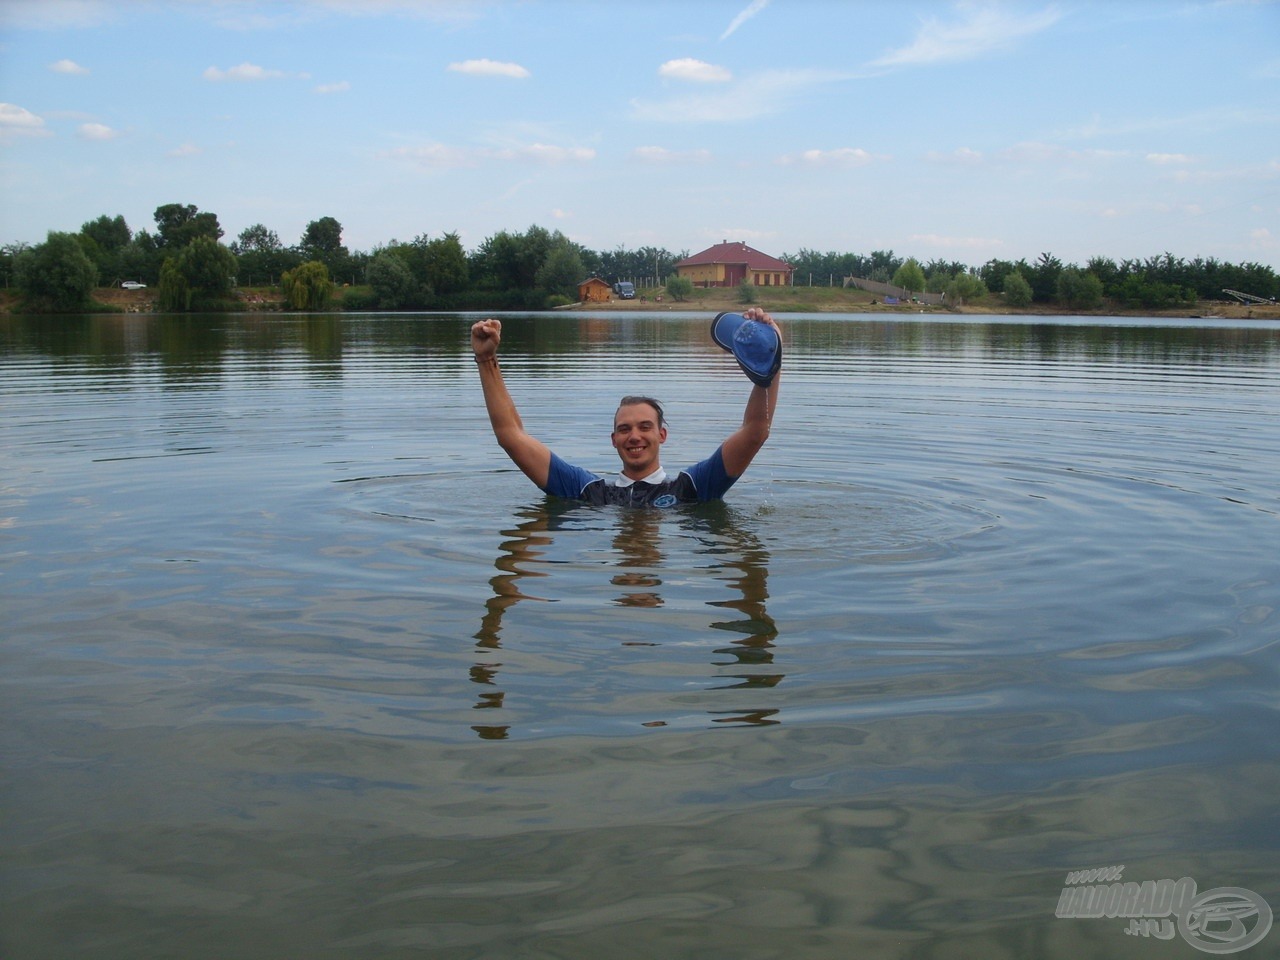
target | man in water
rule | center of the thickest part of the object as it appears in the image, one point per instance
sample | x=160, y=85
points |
x=639, y=430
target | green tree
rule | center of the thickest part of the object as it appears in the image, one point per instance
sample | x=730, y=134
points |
x=531, y=253
x=494, y=264
x=561, y=270
x=394, y=285
x=199, y=275
x=262, y=256
x=142, y=258
x=446, y=264
x=1017, y=292
x=110, y=233
x=910, y=276
x=179, y=224
x=679, y=288
x=1106, y=270
x=993, y=273
x=1043, y=277
x=1079, y=291
x=175, y=292
x=9, y=253
x=322, y=241
x=308, y=287
x=965, y=286
x=105, y=240
x=56, y=275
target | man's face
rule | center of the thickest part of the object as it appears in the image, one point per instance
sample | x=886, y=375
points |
x=637, y=437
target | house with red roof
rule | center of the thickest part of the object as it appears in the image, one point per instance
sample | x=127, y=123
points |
x=730, y=264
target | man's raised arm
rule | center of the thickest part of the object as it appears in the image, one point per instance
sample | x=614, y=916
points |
x=745, y=442
x=532, y=456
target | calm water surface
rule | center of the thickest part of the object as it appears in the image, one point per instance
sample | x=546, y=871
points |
x=296, y=664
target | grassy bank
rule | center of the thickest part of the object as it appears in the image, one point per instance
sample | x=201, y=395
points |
x=851, y=300
x=780, y=300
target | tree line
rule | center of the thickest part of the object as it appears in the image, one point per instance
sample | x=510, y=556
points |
x=1155, y=282
x=185, y=259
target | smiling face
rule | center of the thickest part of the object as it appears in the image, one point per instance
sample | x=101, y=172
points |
x=637, y=436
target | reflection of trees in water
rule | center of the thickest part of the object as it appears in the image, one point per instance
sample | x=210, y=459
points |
x=740, y=560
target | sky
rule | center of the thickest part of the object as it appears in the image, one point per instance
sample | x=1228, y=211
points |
x=963, y=131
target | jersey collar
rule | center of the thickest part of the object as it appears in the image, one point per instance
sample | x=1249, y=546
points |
x=656, y=477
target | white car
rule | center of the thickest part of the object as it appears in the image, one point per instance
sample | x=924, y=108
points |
x=133, y=285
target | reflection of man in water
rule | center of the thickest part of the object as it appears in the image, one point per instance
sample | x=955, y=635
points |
x=711, y=548
x=639, y=430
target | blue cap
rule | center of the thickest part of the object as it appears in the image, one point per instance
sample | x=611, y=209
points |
x=755, y=345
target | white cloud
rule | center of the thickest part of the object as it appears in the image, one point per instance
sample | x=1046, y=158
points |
x=435, y=156
x=1168, y=159
x=982, y=29
x=839, y=157
x=19, y=121
x=490, y=68
x=545, y=153
x=186, y=150
x=746, y=14
x=342, y=86
x=245, y=72
x=697, y=71
x=663, y=155
x=97, y=131
x=963, y=156
x=1038, y=152
x=751, y=98
x=68, y=67
x=439, y=156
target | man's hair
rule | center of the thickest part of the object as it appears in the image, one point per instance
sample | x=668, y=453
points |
x=629, y=401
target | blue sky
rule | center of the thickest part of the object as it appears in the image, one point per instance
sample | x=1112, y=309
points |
x=966, y=131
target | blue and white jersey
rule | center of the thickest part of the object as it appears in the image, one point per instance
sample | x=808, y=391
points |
x=700, y=483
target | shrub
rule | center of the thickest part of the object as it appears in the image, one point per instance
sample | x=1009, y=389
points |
x=679, y=288
x=1017, y=292
x=1079, y=291
x=359, y=298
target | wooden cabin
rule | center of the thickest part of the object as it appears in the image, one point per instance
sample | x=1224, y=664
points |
x=594, y=290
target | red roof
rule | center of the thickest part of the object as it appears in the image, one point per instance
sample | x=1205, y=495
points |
x=735, y=253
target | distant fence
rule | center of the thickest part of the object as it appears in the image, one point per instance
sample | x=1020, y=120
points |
x=889, y=290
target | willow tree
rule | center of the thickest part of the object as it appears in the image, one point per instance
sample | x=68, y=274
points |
x=199, y=275
x=308, y=286
x=175, y=291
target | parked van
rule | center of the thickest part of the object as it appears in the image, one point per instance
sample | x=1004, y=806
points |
x=625, y=290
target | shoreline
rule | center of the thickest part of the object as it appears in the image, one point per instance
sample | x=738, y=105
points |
x=836, y=300
x=780, y=300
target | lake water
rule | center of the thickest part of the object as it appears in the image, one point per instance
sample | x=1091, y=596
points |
x=295, y=664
